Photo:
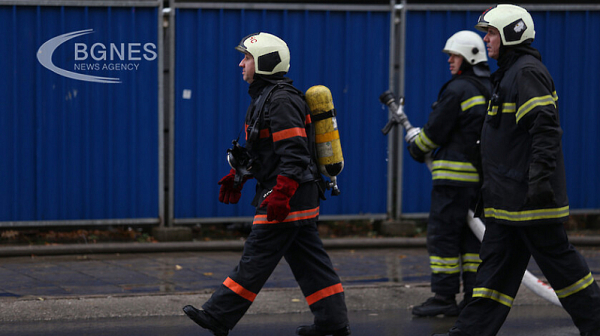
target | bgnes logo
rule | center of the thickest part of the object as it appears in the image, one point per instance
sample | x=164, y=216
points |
x=116, y=57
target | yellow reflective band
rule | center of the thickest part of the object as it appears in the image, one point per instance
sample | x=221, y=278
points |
x=493, y=295
x=471, y=262
x=471, y=257
x=454, y=170
x=455, y=176
x=535, y=102
x=576, y=287
x=443, y=261
x=474, y=101
x=424, y=143
x=453, y=165
x=326, y=137
x=506, y=108
x=522, y=216
x=470, y=268
x=444, y=265
x=509, y=108
x=445, y=270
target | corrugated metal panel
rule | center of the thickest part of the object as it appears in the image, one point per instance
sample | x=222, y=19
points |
x=344, y=50
x=74, y=149
x=567, y=41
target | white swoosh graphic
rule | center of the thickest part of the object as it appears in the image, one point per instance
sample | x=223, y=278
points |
x=44, y=56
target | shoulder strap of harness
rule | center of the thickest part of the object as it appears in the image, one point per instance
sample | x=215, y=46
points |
x=266, y=95
x=263, y=113
x=261, y=101
x=258, y=111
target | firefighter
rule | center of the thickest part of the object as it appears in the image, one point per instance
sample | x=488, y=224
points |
x=280, y=144
x=524, y=189
x=451, y=134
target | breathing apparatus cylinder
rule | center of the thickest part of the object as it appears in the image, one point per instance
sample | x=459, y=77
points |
x=329, y=148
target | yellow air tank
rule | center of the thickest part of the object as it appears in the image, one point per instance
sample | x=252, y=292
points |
x=329, y=148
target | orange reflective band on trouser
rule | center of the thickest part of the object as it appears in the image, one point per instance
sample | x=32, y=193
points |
x=292, y=216
x=239, y=290
x=323, y=293
x=289, y=133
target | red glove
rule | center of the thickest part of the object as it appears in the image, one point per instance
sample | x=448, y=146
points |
x=228, y=193
x=278, y=202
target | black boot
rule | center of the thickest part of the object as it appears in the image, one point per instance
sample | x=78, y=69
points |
x=437, y=305
x=313, y=330
x=206, y=321
x=454, y=331
x=591, y=333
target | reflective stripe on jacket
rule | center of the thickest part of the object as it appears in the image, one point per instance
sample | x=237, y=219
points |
x=284, y=147
x=453, y=129
x=522, y=127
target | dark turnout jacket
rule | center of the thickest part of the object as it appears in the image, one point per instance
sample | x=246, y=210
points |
x=453, y=129
x=521, y=142
x=283, y=146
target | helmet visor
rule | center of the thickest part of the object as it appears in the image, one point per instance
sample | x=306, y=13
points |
x=242, y=46
x=482, y=23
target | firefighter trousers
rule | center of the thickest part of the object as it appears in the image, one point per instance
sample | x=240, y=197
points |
x=303, y=250
x=452, y=246
x=505, y=253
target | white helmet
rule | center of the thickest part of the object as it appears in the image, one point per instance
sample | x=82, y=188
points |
x=271, y=54
x=468, y=44
x=513, y=22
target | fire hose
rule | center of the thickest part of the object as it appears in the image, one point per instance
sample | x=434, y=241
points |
x=398, y=116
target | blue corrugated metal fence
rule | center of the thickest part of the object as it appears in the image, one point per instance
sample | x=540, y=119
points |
x=346, y=51
x=567, y=41
x=74, y=149
x=81, y=132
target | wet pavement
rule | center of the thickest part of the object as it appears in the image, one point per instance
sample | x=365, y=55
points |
x=159, y=273
x=187, y=272
x=523, y=321
x=142, y=294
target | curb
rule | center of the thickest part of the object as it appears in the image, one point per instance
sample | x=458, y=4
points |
x=229, y=245
x=196, y=246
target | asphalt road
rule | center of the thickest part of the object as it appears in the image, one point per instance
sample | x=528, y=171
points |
x=523, y=321
x=142, y=294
